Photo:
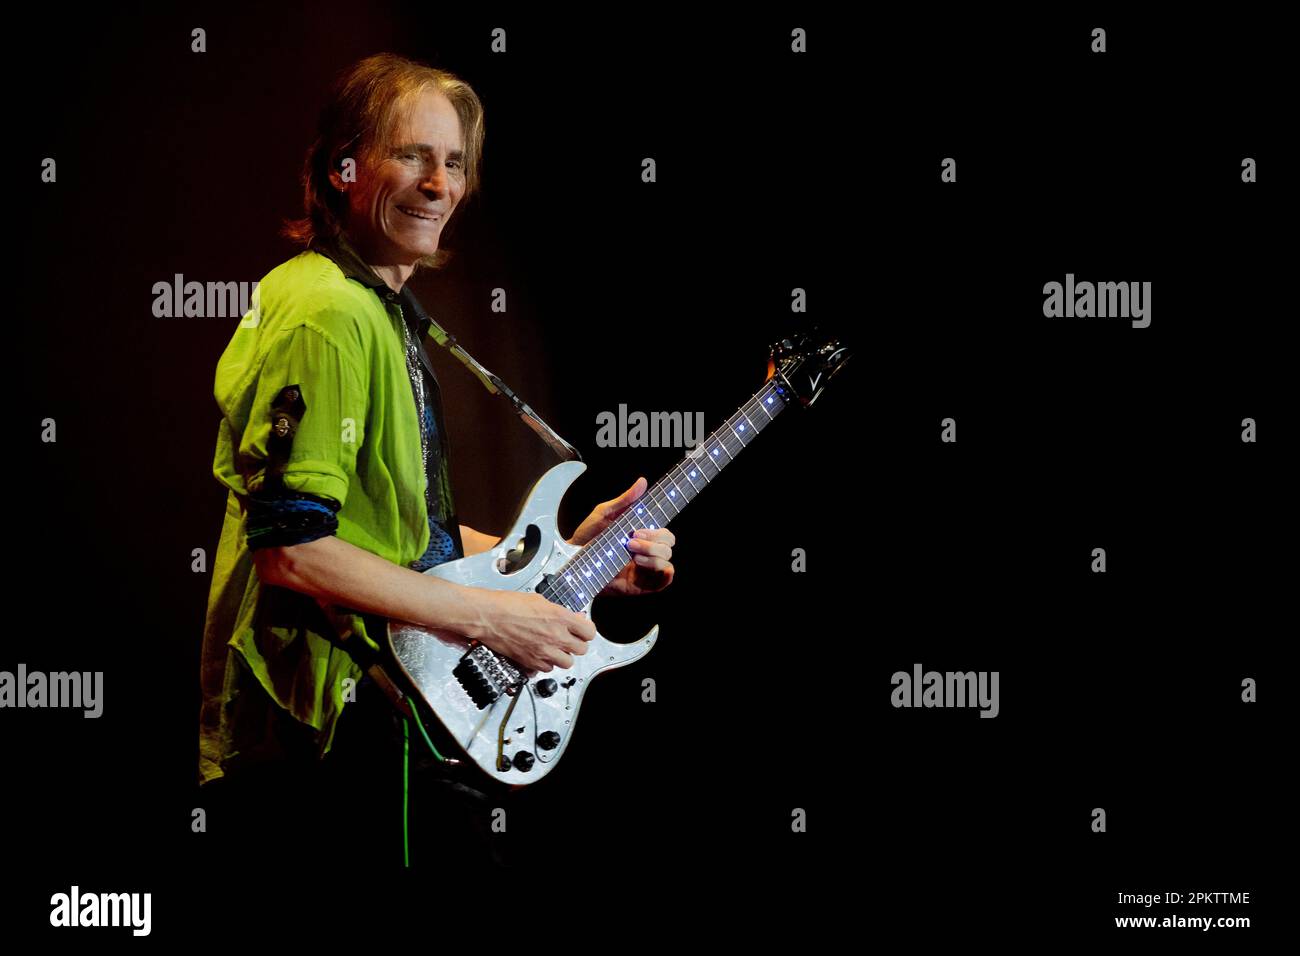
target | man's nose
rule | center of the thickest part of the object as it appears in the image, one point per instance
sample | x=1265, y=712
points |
x=435, y=180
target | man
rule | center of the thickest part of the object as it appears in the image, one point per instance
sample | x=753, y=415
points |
x=333, y=448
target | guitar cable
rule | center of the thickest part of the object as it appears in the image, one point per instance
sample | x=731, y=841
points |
x=406, y=773
x=406, y=760
x=415, y=712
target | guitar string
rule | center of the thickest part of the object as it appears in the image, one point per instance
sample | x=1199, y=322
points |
x=657, y=496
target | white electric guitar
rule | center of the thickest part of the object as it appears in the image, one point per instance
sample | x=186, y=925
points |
x=516, y=724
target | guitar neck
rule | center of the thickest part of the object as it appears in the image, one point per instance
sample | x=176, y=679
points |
x=605, y=555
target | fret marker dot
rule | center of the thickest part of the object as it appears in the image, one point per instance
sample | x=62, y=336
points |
x=692, y=474
x=715, y=451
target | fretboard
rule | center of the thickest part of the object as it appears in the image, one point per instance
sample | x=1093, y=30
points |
x=604, y=556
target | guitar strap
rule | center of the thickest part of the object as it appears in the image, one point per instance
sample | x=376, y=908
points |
x=368, y=660
x=490, y=381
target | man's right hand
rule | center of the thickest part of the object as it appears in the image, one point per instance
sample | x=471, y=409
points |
x=530, y=630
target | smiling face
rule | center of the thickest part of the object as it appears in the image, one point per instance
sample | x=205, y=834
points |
x=404, y=196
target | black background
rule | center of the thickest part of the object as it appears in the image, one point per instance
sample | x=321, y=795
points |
x=775, y=171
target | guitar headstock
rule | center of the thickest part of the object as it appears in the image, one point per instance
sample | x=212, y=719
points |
x=806, y=362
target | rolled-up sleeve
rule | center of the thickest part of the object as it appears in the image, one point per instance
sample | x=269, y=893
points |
x=308, y=417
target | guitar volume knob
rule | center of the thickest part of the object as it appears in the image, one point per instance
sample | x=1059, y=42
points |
x=546, y=687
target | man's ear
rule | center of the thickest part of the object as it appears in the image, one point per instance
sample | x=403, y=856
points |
x=337, y=168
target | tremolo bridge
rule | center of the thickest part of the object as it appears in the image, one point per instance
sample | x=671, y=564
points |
x=485, y=677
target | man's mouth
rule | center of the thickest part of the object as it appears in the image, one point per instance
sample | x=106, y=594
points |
x=419, y=214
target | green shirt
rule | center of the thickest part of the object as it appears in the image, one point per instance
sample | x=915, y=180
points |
x=335, y=332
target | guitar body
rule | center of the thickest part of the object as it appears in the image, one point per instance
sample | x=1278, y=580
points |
x=474, y=695
x=514, y=724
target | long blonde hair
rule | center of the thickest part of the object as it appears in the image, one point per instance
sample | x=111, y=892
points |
x=367, y=105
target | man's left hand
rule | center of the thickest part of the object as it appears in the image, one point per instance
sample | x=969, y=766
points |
x=651, y=567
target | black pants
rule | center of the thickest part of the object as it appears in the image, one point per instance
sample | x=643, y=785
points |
x=348, y=807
